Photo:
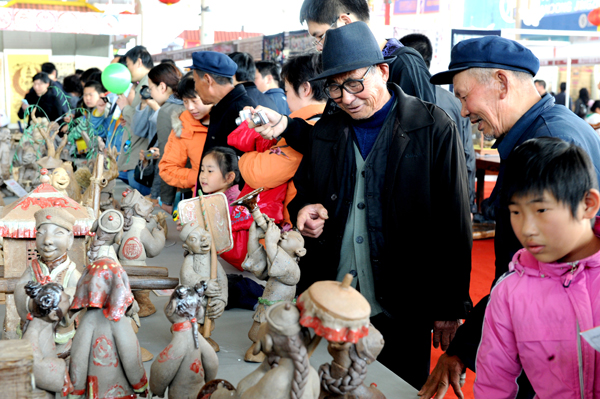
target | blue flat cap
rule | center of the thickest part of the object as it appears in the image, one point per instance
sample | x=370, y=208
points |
x=214, y=62
x=488, y=52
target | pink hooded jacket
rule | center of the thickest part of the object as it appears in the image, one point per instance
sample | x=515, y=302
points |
x=532, y=322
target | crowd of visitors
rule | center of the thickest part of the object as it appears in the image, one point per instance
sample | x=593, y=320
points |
x=365, y=153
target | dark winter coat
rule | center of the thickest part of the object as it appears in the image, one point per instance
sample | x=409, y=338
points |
x=418, y=217
x=223, y=115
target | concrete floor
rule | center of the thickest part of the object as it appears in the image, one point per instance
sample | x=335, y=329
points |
x=231, y=329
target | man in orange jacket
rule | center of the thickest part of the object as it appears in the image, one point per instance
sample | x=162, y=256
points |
x=186, y=140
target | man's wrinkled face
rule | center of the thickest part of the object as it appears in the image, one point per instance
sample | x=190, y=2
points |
x=52, y=241
x=202, y=88
x=373, y=97
x=480, y=103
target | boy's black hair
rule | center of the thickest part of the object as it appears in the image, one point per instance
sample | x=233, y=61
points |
x=422, y=44
x=140, y=52
x=49, y=68
x=302, y=68
x=186, y=87
x=43, y=76
x=549, y=164
x=246, y=71
x=595, y=106
x=227, y=160
x=328, y=11
x=72, y=84
x=79, y=72
x=85, y=76
x=540, y=82
x=99, y=87
x=266, y=68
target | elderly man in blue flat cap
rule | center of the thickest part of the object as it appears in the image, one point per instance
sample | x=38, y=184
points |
x=377, y=175
x=213, y=76
x=493, y=79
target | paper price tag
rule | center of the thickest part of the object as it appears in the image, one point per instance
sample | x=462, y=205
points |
x=15, y=187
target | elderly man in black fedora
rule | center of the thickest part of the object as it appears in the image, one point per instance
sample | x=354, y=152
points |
x=382, y=195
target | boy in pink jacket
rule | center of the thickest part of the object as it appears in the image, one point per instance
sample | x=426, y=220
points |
x=552, y=290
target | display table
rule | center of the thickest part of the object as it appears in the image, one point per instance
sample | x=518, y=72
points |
x=231, y=330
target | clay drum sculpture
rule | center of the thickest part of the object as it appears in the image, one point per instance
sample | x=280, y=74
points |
x=340, y=314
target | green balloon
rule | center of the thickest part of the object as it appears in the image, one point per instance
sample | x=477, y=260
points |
x=116, y=78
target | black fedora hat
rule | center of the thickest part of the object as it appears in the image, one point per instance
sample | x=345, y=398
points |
x=350, y=47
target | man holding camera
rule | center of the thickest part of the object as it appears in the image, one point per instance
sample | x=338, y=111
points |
x=139, y=63
x=213, y=77
x=376, y=177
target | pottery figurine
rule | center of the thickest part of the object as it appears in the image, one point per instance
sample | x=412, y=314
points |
x=109, y=230
x=196, y=268
x=106, y=361
x=48, y=304
x=340, y=314
x=189, y=360
x=286, y=371
x=53, y=239
x=277, y=263
x=28, y=167
x=142, y=238
x=60, y=180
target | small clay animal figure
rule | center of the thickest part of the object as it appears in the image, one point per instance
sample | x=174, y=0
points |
x=53, y=239
x=108, y=181
x=276, y=262
x=196, y=268
x=105, y=357
x=344, y=377
x=48, y=304
x=189, y=360
x=286, y=371
x=109, y=229
x=142, y=238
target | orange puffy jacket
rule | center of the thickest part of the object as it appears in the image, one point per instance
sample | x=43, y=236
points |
x=185, y=141
x=278, y=165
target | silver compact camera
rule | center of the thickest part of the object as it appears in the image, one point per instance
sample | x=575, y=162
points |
x=259, y=118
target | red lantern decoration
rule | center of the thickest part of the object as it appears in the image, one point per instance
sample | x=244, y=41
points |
x=594, y=17
x=169, y=2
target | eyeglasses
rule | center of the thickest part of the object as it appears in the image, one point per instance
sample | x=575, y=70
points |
x=352, y=86
x=321, y=39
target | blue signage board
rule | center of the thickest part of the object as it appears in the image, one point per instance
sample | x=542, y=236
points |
x=537, y=14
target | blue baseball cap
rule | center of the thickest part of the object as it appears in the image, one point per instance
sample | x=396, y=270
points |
x=488, y=52
x=214, y=62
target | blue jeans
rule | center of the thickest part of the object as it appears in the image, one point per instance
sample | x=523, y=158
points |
x=132, y=183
